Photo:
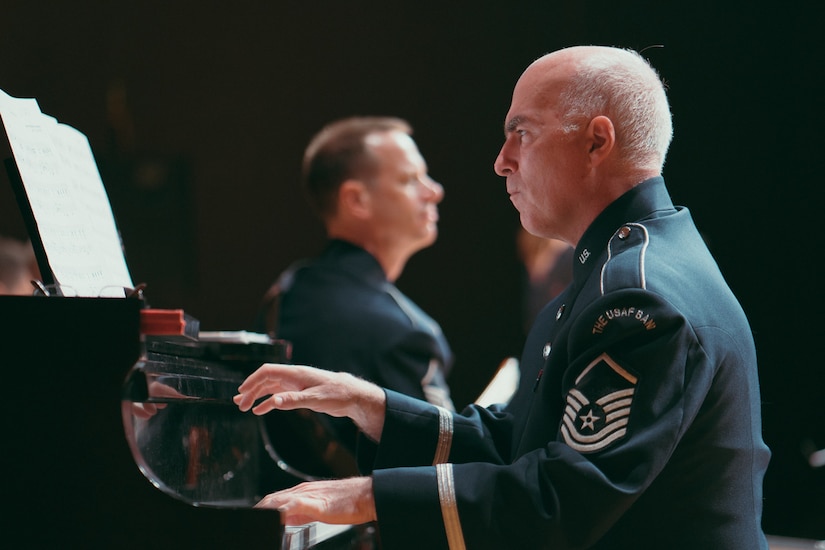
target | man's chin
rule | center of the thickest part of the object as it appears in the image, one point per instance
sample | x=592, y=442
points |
x=428, y=239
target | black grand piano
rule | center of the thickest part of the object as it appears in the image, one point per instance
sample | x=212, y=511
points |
x=117, y=436
x=114, y=440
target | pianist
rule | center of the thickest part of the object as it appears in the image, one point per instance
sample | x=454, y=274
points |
x=637, y=424
x=367, y=181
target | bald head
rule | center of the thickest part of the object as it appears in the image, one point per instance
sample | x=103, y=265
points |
x=583, y=82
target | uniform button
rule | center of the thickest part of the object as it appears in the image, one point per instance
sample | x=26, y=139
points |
x=545, y=353
x=624, y=232
x=560, y=312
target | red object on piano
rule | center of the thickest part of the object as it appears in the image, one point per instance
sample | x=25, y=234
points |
x=168, y=322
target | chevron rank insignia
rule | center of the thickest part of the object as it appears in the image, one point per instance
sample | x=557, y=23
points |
x=598, y=406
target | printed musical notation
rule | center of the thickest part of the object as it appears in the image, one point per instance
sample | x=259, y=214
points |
x=67, y=197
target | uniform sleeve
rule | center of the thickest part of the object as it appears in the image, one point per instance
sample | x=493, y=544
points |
x=608, y=413
x=417, y=433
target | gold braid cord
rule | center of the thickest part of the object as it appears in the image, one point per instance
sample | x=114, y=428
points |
x=449, y=507
x=445, y=436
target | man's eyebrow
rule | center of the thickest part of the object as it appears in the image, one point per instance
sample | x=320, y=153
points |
x=512, y=124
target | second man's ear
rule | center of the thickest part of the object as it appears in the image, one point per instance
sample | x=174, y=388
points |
x=355, y=198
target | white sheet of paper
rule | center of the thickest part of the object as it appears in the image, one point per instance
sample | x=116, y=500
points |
x=68, y=200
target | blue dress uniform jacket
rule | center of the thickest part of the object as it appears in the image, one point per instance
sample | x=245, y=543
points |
x=636, y=425
x=340, y=313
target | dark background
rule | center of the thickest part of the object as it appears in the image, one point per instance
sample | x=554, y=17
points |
x=198, y=114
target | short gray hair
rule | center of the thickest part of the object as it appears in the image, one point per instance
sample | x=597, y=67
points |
x=623, y=86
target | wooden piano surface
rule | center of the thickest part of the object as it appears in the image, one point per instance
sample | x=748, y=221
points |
x=71, y=480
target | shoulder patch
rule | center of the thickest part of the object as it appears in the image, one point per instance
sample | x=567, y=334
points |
x=598, y=406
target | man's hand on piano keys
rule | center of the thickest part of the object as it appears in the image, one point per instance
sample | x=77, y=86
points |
x=287, y=387
x=336, y=501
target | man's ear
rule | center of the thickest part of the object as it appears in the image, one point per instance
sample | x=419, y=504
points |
x=354, y=198
x=601, y=136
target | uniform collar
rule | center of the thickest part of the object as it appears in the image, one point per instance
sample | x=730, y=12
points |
x=638, y=203
x=354, y=259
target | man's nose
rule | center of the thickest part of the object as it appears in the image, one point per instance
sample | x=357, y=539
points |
x=435, y=191
x=505, y=163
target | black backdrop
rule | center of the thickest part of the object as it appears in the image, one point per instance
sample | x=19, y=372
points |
x=198, y=113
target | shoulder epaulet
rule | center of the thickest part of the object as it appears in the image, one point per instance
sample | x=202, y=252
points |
x=625, y=264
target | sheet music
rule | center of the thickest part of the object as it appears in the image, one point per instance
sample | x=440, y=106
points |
x=68, y=200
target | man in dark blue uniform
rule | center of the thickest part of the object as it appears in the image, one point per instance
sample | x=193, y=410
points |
x=368, y=183
x=637, y=423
